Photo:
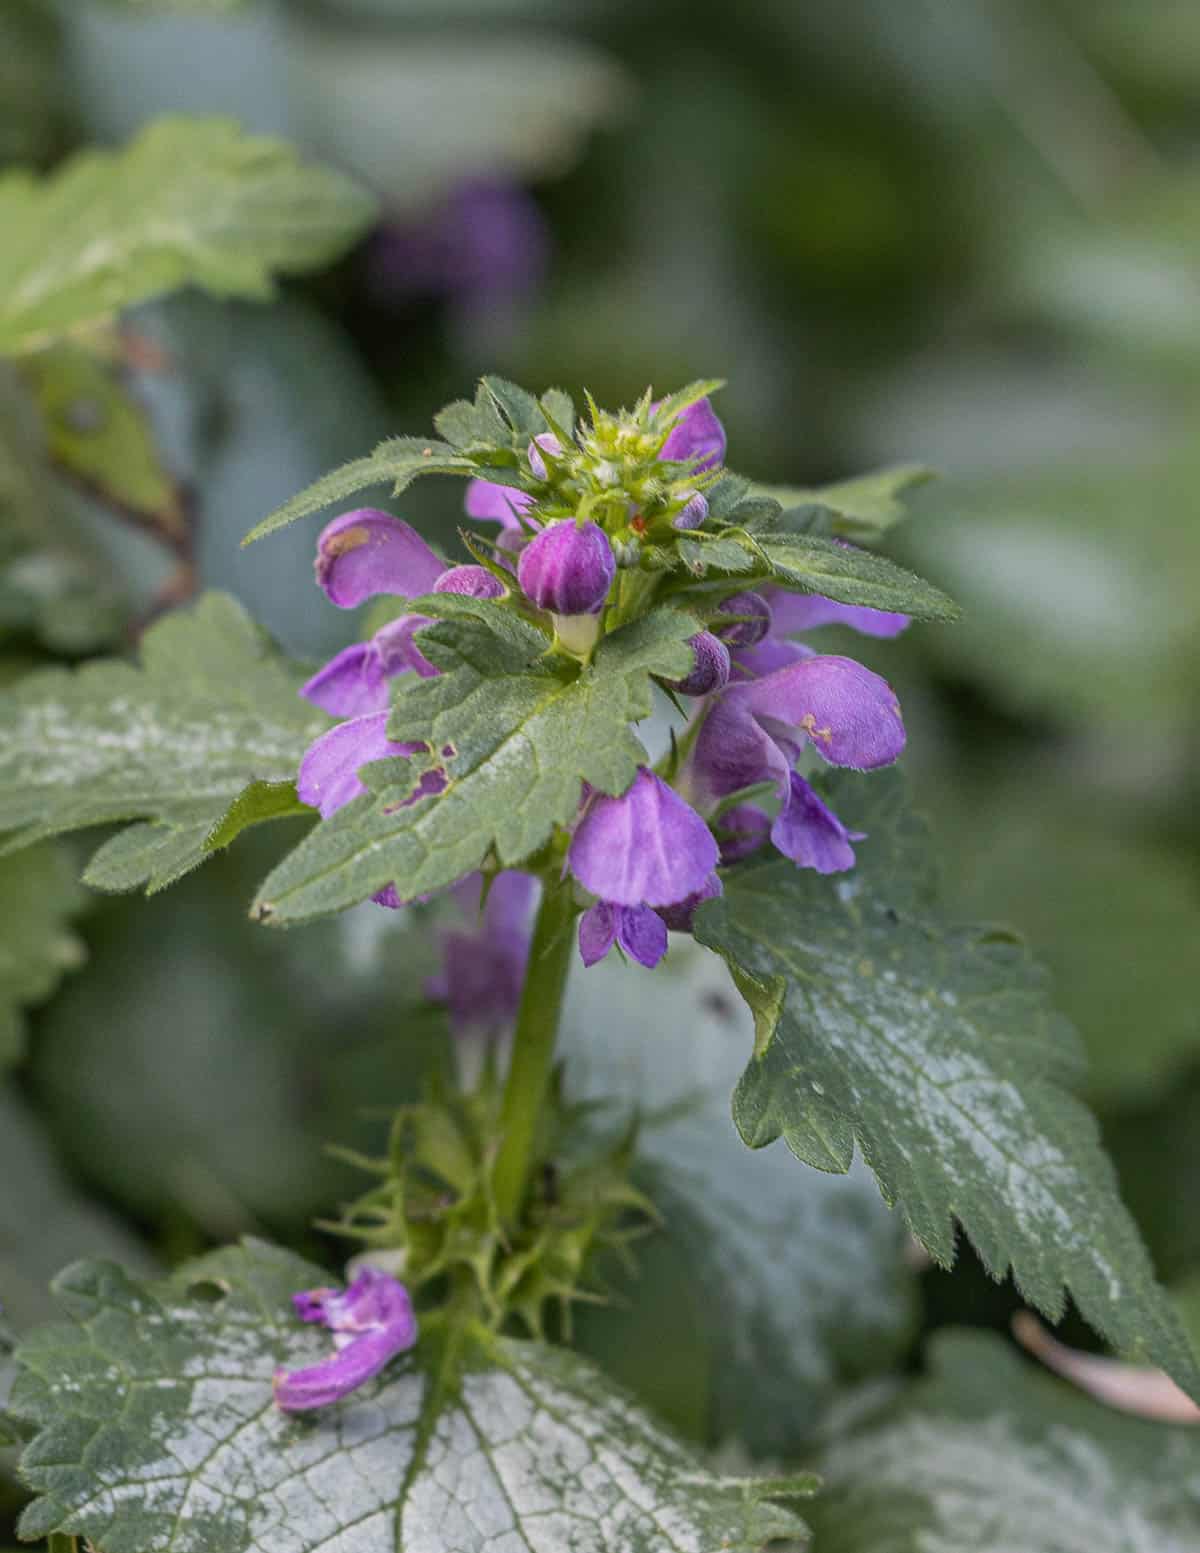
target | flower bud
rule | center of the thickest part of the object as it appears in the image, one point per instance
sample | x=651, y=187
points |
x=749, y=631
x=710, y=671
x=568, y=568
x=476, y=582
x=549, y=442
x=693, y=512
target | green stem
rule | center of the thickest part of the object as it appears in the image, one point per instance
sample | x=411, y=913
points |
x=533, y=1045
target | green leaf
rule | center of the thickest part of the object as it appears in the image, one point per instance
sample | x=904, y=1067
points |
x=935, y=1047
x=517, y=734
x=188, y=202
x=212, y=708
x=396, y=462
x=811, y=564
x=814, y=1290
x=45, y=1221
x=100, y=437
x=38, y=897
x=158, y=1429
x=988, y=1453
x=861, y=509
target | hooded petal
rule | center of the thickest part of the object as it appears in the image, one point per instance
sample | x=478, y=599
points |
x=851, y=715
x=366, y=552
x=329, y=771
x=809, y=832
x=796, y=612
x=351, y=684
x=494, y=503
x=698, y=434
x=647, y=847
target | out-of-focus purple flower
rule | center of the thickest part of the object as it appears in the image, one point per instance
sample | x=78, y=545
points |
x=486, y=242
x=475, y=582
x=368, y=552
x=483, y=965
x=795, y=612
x=372, y=1321
x=490, y=502
x=755, y=730
x=752, y=620
x=645, y=849
x=640, y=931
x=568, y=568
x=696, y=434
x=710, y=667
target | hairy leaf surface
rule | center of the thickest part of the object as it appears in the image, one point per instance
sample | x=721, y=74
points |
x=517, y=735
x=188, y=202
x=212, y=709
x=988, y=1453
x=935, y=1048
x=158, y=1430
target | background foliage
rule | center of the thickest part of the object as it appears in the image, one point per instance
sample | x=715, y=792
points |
x=965, y=235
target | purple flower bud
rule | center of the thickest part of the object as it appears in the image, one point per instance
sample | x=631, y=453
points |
x=568, y=568
x=693, y=513
x=750, y=631
x=696, y=434
x=372, y=1321
x=367, y=552
x=544, y=441
x=476, y=582
x=641, y=933
x=710, y=670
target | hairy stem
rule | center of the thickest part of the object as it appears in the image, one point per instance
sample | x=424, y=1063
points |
x=533, y=1045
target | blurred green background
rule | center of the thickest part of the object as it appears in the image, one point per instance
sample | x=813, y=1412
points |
x=962, y=232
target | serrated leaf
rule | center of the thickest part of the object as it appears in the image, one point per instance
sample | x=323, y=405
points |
x=38, y=897
x=158, y=1430
x=936, y=1048
x=188, y=202
x=812, y=564
x=396, y=462
x=988, y=1453
x=813, y=1285
x=212, y=708
x=860, y=509
x=99, y=436
x=517, y=733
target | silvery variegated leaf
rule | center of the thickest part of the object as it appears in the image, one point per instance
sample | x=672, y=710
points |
x=158, y=1433
x=986, y=1453
x=936, y=1051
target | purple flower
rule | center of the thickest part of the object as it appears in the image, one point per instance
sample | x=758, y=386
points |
x=544, y=442
x=490, y=502
x=710, y=668
x=568, y=568
x=693, y=512
x=483, y=966
x=372, y=1321
x=475, y=582
x=752, y=619
x=755, y=730
x=647, y=848
x=641, y=933
x=679, y=917
x=741, y=831
x=355, y=680
x=697, y=434
x=795, y=612
x=368, y=552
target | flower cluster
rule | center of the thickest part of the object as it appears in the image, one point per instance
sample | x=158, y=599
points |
x=645, y=858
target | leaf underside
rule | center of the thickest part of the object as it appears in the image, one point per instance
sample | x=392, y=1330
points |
x=158, y=1434
x=935, y=1049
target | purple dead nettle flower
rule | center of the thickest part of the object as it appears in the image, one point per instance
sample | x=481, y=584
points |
x=484, y=963
x=796, y=612
x=372, y=1321
x=697, y=434
x=645, y=849
x=755, y=730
